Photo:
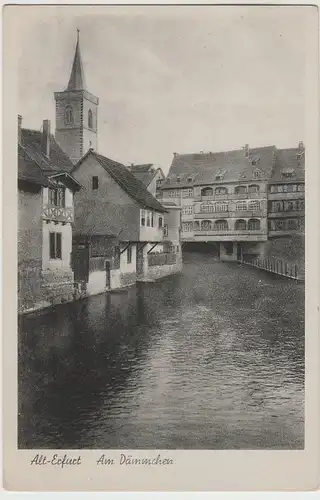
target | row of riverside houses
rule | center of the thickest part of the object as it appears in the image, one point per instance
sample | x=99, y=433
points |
x=249, y=202
x=87, y=224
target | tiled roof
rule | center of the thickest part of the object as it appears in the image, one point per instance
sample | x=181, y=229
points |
x=231, y=166
x=127, y=181
x=144, y=173
x=289, y=165
x=58, y=161
x=28, y=170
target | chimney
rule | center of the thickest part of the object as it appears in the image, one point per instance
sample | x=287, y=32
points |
x=246, y=151
x=46, y=136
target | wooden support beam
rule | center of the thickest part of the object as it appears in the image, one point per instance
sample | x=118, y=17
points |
x=152, y=247
x=139, y=249
x=125, y=248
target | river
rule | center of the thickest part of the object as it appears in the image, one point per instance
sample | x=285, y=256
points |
x=209, y=359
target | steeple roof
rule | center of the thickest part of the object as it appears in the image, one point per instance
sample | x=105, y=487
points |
x=77, y=81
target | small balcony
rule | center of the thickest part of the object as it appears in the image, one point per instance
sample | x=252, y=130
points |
x=58, y=214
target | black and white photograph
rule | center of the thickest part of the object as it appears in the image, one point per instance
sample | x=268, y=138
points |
x=165, y=169
x=161, y=242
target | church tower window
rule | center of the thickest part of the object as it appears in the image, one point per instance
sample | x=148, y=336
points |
x=90, y=119
x=68, y=115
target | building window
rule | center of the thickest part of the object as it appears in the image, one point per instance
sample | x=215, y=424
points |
x=207, y=191
x=68, y=116
x=221, y=225
x=292, y=224
x=160, y=222
x=57, y=197
x=240, y=190
x=288, y=206
x=253, y=189
x=221, y=207
x=280, y=225
x=206, y=207
x=129, y=254
x=173, y=193
x=257, y=174
x=148, y=218
x=165, y=230
x=240, y=225
x=55, y=245
x=159, y=183
x=187, y=209
x=189, y=179
x=254, y=206
x=187, y=226
x=95, y=182
x=253, y=225
x=221, y=190
x=241, y=206
x=143, y=217
x=300, y=187
x=152, y=219
x=187, y=193
x=178, y=179
x=90, y=119
x=206, y=225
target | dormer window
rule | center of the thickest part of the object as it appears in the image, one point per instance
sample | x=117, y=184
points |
x=178, y=179
x=68, y=115
x=287, y=172
x=257, y=174
x=189, y=179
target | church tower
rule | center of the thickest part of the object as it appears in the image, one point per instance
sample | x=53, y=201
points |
x=76, y=113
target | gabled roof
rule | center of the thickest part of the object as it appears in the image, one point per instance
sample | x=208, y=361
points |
x=58, y=163
x=77, y=81
x=28, y=170
x=145, y=173
x=289, y=165
x=233, y=166
x=126, y=180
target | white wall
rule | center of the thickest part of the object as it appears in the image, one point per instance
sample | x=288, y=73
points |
x=66, y=246
x=126, y=267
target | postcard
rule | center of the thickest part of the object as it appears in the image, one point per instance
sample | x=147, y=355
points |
x=161, y=247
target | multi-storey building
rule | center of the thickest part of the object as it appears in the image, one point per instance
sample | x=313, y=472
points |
x=223, y=198
x=286, y=200
x=46, y=214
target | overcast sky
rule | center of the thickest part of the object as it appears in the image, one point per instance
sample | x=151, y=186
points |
x=172, y=79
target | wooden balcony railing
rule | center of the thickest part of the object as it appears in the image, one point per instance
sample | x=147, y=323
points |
x=57, y=214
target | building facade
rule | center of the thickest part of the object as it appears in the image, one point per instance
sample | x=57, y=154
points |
x=46, y=214
x=118, y=220
x=223, y=198
x=286, y=198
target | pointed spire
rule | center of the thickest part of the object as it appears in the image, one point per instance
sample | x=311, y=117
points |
x=76, y=81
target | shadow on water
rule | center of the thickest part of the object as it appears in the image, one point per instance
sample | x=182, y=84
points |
x=212, y=358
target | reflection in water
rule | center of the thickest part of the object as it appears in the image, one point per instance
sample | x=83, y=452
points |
x=213, y=358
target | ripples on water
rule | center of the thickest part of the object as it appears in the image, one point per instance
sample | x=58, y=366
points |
x=210, y=359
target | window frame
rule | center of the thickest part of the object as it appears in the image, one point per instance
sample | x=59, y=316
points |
x=55, y=245
x=129, y=254
x=94, y=183
x=90, y=119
